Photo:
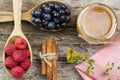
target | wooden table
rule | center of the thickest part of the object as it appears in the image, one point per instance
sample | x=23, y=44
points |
x=65, y=39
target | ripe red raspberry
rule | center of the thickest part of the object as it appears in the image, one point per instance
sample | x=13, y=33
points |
x=9, y=49
x=9, y=62
x=27, y=52
x=19, y=55
x=20, y=43
x=17, y=72
x=26, y=64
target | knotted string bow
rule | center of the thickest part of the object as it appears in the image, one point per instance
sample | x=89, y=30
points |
x=48, y=56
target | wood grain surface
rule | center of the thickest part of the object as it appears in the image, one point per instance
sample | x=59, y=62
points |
x=65, y=39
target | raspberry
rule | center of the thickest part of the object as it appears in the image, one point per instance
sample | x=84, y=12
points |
x=9, y=62
x=26, y=64
x=17, y=72
x=27, y=52
x=9, y=49
x=20, y=43
x=19, y=55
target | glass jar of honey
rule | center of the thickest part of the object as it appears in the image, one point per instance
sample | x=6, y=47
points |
x=97, y=23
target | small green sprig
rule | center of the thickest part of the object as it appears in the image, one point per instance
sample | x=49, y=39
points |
x=118, y=67
x=90, y=66
x=109, y=67
x=109, y=79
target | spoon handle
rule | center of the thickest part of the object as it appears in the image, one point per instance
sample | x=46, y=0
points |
x=17, y=6
x=6, y=16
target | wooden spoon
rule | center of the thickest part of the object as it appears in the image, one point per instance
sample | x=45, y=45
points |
x=26, y=16
x=17, y=32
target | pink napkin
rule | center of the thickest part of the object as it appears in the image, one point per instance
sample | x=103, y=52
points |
x=109, y=53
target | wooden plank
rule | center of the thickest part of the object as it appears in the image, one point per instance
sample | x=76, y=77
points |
x=65, y=39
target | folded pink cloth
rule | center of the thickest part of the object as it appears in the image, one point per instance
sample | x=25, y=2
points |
x=109, y=53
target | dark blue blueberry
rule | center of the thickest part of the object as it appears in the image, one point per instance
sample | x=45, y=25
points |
x=46, y=27
x=38, y=13
x=52, y=5
x=40, y=10
x=67, y=11
x=38, y=20
x=33, y=19
x=56, y=20
x=57, y=26
x=56, y=15
x=44, y=5
x=42, y=15
x=63, y=6
x=62, y=11
x=67, y=19
x=62, y=18
x=64, y=25
x=51, y=25
x=44, y=22
x=47, y=9
x=47, y=17
x=33, y=13
x=57, y=7
x=54, y=12
x=39, y=25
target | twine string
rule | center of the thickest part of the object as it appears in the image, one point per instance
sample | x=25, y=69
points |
x=48, y=56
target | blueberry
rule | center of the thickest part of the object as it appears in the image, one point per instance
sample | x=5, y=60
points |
x=42, y=15
x=51, y=5
x=67, y=11
x=54, y=12
x=46, y=27
x=62, y=11
x=40, y=10
x=62, y=18
x=44, y=22
x=47, y=17
x=56, y=15
x=44, y=5
x=47, y=9
x=67, y=19
x=51, y=25
x=37, y=13
x=33, y=13
x=37, y=20
x=39, y=25
x=56, y=20
x=33, y=19
x=64, y=25
x=58, y=26
x=57, y=7
x=63, y=6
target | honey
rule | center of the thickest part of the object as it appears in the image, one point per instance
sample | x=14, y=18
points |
x=96, y=22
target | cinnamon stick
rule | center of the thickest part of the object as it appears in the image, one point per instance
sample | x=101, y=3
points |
x=49, y=50
x=43, y=64
x=54, y=64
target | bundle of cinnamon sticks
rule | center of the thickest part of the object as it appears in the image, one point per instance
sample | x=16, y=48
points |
x=49, y=47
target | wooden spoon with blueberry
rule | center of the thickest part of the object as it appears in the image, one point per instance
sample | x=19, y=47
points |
x=17, y=54
x=47, y=16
